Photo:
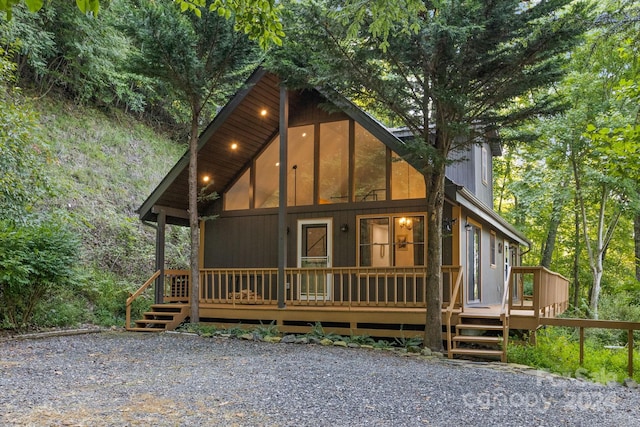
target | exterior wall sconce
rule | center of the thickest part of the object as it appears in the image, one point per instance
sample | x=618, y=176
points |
x=499, y=248
x=344, y=228
x=447, y=224
x=406, y=223
x=468, y=226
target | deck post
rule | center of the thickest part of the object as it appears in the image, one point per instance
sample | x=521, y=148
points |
x=630, y=349
x=581, y=345
x=160, y=243
x=282, y=202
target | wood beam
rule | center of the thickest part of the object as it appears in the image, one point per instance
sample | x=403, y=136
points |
x=172, y=212
x=282, y=205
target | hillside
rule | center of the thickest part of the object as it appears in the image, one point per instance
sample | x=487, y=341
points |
x=101, y=167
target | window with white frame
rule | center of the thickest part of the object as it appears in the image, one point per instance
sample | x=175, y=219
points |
x=391, y=240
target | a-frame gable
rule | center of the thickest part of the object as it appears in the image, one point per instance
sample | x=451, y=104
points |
x=241, y=118
x=251, y=120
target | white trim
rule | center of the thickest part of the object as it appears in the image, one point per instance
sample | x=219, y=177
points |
x=328, y=222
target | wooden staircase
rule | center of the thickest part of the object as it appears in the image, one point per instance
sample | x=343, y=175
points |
x=162, y=317
x=480, y=335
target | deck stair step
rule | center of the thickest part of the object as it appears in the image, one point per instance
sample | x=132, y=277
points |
x=480, y=339
x=478, y=334
x=477, y=352
x=162, y=317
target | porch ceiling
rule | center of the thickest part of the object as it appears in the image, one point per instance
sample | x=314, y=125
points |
x=241, y=122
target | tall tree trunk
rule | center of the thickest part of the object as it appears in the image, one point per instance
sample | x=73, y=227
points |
x=194, y=225
x=435, y=204
x=576, y=256
x=636, y=241
x=559, y=201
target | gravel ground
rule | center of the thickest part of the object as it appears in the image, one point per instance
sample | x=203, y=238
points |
x=127, y=379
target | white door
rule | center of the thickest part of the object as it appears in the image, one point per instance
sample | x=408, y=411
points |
x=314, y=254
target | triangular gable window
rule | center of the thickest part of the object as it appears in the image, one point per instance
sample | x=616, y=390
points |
x=322, y=171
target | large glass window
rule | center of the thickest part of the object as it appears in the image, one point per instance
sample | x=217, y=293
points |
x=325, y=152
x=406, y=181
x=370, y=167
x=300, y=158
x=391, y=241
x=334, y=163
x=267, y=167
x=238, y=195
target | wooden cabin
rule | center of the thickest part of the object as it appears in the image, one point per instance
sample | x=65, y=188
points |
x=347, y=249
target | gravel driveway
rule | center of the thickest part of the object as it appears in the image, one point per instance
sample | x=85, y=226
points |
x=122, y=379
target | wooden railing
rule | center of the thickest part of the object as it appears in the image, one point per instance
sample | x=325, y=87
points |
x=136, y=294
x=549, y=295
x=176, y=285
x=505, y=312
x=630, y=327
x=345, y=286
x=455, y=298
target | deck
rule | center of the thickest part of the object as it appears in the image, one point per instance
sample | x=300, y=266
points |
x=378, y=302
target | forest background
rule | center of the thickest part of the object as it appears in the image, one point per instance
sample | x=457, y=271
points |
x=86, y=133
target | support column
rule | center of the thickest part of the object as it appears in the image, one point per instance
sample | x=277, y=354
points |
x=282, y=204
x=160, y=245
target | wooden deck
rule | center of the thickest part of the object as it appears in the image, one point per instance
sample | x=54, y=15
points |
x=378, y=302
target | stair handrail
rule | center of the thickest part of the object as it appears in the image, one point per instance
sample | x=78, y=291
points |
x=504, y=314
x=505, y=293
x=136, y=294
x=452, y=302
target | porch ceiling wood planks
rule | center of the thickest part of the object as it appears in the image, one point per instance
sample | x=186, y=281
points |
x=236, y=122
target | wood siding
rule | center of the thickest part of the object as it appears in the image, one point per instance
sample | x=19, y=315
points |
x=466, y=170
x=241, y=239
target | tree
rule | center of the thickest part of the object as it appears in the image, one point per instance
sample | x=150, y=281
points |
x=598, y=140
x=198, y=58
x=447, y=71
x=22, y=154
x=606, y=154
x=259, y=19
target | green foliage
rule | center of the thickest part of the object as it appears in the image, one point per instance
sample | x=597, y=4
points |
x=408, y=343
x=362, y=340
x=35, y=260
x=258, y=19
x=270, y=330
x=106, y=294
x=317, y=331
x=196, y=62
x=22, y=154
x=558, y=350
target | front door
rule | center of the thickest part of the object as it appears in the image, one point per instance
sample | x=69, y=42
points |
x=474, y=273
x=314, y=253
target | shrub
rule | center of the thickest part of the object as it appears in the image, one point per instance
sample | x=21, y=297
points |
x=35, y=260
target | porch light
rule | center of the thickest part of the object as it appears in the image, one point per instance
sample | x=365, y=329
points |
x=263, y=112
x=234, y=146
x=406, y=223
x=206, y=179
x=467, y=226
x=447, y=224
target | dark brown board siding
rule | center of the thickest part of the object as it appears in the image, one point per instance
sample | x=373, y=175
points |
x=246, y=239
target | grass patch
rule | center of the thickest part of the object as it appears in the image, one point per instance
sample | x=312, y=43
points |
x=558, y=351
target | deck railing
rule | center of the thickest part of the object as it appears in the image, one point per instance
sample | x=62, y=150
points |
x=538, y=289
x=344, y=286
x=348, y=286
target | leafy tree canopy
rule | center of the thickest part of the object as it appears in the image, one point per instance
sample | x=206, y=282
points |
x=259, y=19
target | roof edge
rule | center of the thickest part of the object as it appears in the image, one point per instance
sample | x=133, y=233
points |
x=145, y=210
